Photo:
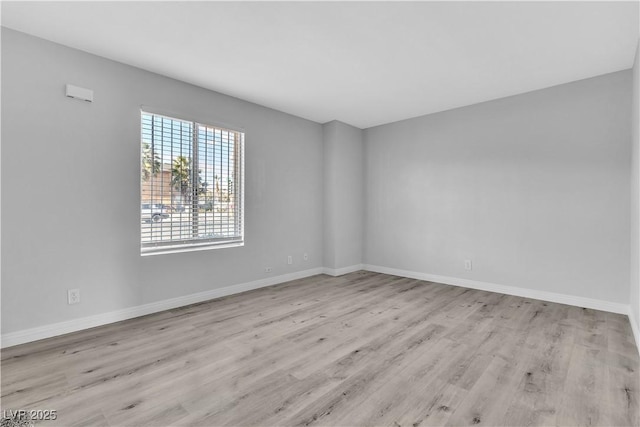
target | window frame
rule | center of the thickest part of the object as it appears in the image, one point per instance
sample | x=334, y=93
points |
x=195, y=244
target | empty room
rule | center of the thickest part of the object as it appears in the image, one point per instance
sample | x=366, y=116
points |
x=399, y=214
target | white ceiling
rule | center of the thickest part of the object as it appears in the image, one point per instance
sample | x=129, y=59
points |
x=362, y=63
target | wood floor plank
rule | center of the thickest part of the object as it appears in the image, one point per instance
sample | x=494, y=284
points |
x=363, y=349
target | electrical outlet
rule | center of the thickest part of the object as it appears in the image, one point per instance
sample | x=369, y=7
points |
x=268, y=269
x=305, y=257
x=73, y=296
x=289, y=260
x=468, y=265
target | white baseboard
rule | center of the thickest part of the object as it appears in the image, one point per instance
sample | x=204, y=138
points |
x=596, y=304
x=343, y=270
x=48, y=331
x=635, y=327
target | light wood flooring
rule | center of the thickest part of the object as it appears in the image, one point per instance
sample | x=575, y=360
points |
x=364, y=349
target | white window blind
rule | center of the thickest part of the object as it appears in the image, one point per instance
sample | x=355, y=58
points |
x=191, y=184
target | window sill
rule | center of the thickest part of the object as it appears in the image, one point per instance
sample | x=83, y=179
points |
x=188, y=248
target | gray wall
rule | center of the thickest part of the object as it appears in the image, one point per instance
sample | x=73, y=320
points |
x=343, y=195
x=70, y=187
x=533, y=188
x=634, y=296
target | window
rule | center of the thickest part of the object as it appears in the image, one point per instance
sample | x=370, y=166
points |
x=191, y=185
